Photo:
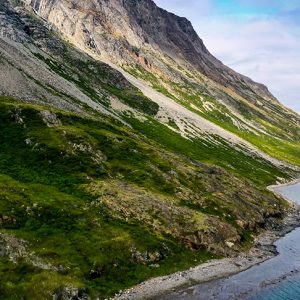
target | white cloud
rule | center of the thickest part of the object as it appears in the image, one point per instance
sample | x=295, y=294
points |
x=266, y=50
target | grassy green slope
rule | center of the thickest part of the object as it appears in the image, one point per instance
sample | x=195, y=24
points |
x=279, y=135
x=105, y=207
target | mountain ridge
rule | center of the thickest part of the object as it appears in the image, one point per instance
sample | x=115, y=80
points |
x=200, y=55
x=186, y=40
x=123, y=43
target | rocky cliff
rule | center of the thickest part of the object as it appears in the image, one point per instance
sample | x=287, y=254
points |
x=133, y=28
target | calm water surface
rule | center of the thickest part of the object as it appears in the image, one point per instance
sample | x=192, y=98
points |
x=275, y=279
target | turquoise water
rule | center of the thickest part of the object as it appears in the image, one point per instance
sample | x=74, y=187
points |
x=288, y=290
x=275, y=279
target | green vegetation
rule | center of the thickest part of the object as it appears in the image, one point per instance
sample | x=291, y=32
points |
x=42, y=203
x=140, y=72
x=91, y=77
x=65, y=231
x=279, y=132
x=259, y=171
x=61, y=191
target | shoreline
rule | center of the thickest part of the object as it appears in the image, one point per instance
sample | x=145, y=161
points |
x=275, y=187
x=262, y=250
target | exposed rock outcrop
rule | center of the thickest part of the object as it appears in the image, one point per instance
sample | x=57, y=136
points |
x=128, y=30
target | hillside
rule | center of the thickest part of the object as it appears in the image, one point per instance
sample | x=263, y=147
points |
x=126, y=153
x=165, y=51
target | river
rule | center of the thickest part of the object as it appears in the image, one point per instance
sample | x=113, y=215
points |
x=274, y=279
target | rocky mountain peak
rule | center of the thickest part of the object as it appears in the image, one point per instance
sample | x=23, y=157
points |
x=127, y=30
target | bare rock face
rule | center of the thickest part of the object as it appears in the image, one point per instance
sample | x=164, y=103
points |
x=50, y=119
x=9, y=26
x=137, y=31
x=177, y=37
x=32, y=55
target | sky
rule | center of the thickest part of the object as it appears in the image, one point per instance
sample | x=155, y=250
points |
x=258, y=38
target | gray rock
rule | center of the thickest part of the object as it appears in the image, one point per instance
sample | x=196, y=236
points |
x=140, y=23
x=28, y=142
x=50, y=119
x=70, y=293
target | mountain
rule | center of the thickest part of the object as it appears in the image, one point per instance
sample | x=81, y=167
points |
x=127, y=150
x=165, y=51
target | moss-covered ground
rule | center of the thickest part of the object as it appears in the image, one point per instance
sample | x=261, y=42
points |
x=276, y=129
x=45, y=199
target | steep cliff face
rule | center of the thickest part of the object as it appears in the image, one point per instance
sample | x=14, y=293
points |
x=116, y=27
x=176, y=37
